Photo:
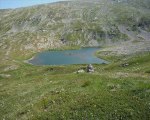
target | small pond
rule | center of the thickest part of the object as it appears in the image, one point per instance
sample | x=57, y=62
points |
x=67, y=57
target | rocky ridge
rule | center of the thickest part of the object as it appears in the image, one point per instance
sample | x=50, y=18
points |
x=124, y=24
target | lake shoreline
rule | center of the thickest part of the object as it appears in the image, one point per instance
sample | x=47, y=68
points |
x=27, y=61
x=87, y=54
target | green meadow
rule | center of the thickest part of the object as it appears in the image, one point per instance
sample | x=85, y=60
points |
x=112, y=92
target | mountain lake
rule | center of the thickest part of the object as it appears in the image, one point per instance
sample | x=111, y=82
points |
x=67, y=57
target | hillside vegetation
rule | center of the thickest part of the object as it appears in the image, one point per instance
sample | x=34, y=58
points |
x=119, y=90
x=25, y=31
x=112, y=92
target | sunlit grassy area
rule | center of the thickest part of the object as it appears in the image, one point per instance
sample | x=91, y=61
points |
x=57, y=92
x=119, y=90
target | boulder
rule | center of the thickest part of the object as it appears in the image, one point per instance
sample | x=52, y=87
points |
x=90, y=68
x=124, y=65
x=80, y=71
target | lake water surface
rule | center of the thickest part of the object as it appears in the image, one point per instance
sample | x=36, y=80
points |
x=66, y=57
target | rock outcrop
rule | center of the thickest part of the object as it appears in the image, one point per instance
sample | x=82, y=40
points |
x=90, y=68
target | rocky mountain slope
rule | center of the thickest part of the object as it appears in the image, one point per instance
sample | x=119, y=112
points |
x=70, y=24
x=119, y=90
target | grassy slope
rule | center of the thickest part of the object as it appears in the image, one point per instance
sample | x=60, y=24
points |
x=50, y=92
x=24, y=30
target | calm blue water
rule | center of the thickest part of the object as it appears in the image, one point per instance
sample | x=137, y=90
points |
x=66, y=57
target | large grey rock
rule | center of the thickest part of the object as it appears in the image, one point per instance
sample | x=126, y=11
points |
x=90, y=68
